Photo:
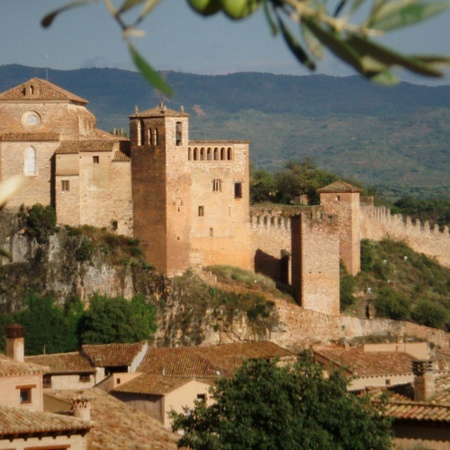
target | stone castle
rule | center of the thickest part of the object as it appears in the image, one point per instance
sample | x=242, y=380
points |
x=186, y=201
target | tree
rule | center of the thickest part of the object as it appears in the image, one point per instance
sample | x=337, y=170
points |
x=110, y=320
x=391, y=304
x=264, y=406
x=307, y=27
x=430, y=314
x=39, y=221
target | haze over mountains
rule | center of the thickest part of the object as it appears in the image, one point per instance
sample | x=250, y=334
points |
x=396, y=139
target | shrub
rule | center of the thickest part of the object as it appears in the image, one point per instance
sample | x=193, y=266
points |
x=85, y=251
x=346, y=288
x=391, y=305
x=430, y=314
x=40, y=222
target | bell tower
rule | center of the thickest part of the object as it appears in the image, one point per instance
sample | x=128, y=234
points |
x=161, y=187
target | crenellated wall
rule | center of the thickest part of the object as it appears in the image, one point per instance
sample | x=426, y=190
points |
x=377, y=223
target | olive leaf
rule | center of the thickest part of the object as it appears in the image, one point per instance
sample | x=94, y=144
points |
x=50, y=17
x=148, y=72
x=269, y=18
x=295, y=47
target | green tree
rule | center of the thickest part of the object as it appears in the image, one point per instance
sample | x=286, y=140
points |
x=308, y=28
x=39, y=221
x=262, y=186
x=110, y=320
x=47, y=328
x=346, y=287
x=264, y=406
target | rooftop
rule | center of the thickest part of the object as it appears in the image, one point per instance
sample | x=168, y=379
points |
x=339, y=186
x=72, y=362
x=10, y=367
x=356, y=361
x=108, y=355
x=118, y=427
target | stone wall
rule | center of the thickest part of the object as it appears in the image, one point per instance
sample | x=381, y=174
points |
x=377, y=223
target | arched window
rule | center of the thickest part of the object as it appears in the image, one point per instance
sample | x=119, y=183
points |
x=142, y=133
x=149, y=135
x=216, y=154
x=229, y=154
x=208, y=154
x=202, y=154
x=222, y=154
x=179, y=133
x=155, y=140
x=30, y=161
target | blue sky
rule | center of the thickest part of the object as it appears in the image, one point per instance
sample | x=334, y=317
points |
x=175, y=39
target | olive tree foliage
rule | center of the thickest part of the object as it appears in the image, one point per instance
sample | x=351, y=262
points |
x=264, y=406
x=347, y=28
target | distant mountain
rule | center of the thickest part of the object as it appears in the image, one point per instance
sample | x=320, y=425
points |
x=395, y=138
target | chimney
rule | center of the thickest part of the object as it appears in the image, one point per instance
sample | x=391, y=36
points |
x=424, y=380
x=15, y=343
x=81, y=408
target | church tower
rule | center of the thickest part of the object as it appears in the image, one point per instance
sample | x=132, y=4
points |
x=161, y=187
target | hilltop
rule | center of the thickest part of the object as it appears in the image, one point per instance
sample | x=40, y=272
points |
x=394, y=139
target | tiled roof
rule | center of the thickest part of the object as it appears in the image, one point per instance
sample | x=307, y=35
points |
x=10, y=367
x=210, y=361
x=401, y=406
x=85, y=146
x=159, y=111
x=29, y=137
x=366, y=364
x=153, y=384
x=15, y=422
x=42, y=90
x=72, y=362
x=339, y=186
x=112, y=354
x=121, y=157
x=119, y=427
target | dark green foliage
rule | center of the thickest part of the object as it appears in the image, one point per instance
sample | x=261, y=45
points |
x=346, y=288
x=85, y=251
x=262, y=186
x=434, y=210
x=391, y=304
x=264, y=406
x=39, y=221
x=48, y=328
x=367, y=254
x=430, y=314
x=110, y=320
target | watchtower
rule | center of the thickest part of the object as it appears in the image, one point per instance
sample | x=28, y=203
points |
x=161, y=187
x=342, y=199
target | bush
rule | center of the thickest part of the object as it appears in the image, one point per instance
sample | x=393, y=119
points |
x=367, y=255
x=85, y=251
x=40, y=222
x=391, y=305
x=346, y=288
x=430, y=314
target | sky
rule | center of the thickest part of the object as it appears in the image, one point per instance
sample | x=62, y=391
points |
x=175, y=39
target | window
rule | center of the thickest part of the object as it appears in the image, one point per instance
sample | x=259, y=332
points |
x=179, y=133
x=217, y=185
x=141, y=133
x=208, y=154
x=237, y=190
x=47, y=380
x=201, y=397
x=201, y=211
x=30, y=161
x=216, y=154
x=96, y=159
x=229, y=154
x=84, y=378
x=65, y=185
x=25, y=393
x=155, y=137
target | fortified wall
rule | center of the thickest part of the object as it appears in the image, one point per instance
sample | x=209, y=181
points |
x=377, y=223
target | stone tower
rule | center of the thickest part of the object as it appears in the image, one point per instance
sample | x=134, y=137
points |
x=161, y=187
x=342, y=199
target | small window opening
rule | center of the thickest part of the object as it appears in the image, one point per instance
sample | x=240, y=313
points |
x=65, y=185
x=85, y=378
x=142, y=133
x=201, y=397
x=30, y=161
x=337, y=198
x=216, y=154
x=25, y=393
x=118, y=381
x=202, y=154
x=47, y=380
x=96, y=159
x=229, y=154
x=237, y=190
x=211, y=232
x=222, y=154
x=31, y=90
x=208, y=154
x=195, y=154
x=217, y=185
x=155, y=137
x=179, y=133
x=201, y=211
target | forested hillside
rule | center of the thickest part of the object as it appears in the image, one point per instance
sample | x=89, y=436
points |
x=394, y=139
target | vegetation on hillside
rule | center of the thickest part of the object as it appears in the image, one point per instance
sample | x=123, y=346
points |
x=266, y=406
x=436, y=210
x=403, y=284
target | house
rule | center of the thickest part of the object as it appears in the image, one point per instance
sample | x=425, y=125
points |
x=371, y=366
x=23, y=422
x=420, y=410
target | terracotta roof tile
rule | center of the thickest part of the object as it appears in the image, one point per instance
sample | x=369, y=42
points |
x=29, y=137
x=364, y=363
x=10, y=367
x=72, y=362
x=210, y=361
x=112, y=354
x=118, y=426
x=339, y=186
x=42, y=90
x=121, y=157
x=153, y=384
x=16, y=421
